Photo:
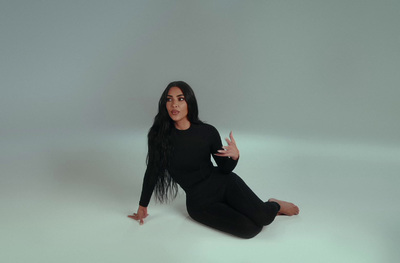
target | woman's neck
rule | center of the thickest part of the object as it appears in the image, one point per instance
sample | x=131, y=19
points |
x=182, y=125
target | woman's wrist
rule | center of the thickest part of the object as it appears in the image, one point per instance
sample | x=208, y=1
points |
x=235, y=158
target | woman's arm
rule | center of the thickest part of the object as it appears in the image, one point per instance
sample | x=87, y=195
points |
x=226, y=157
x=149, y=182
x=147, y=191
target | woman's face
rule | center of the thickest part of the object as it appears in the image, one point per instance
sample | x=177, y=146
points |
x=176, y=105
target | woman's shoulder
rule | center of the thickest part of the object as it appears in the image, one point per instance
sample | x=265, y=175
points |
x=205, y=127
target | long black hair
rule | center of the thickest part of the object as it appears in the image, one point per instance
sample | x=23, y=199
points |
x=159, y=141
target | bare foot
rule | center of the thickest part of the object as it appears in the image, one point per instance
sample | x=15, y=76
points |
x=287, y=208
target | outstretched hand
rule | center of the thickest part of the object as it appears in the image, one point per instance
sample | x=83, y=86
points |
x=140, y=215
x=231, y=150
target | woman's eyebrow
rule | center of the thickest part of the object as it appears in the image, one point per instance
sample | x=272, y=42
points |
x=180, y=95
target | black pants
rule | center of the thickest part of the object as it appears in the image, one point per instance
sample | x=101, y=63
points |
x=226, y=203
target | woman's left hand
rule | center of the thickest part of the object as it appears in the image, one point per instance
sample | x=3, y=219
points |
x=231, y=150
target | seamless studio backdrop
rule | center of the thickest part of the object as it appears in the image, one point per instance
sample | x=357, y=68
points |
x=309, y=88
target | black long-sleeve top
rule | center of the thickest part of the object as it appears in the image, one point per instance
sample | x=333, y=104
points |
x=190, y=161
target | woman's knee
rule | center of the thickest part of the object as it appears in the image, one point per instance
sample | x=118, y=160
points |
x=248, y=231
x=241, y=229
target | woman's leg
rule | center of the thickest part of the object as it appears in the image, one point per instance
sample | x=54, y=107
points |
x=222, y=217
x=240, y=197
x=234, y=208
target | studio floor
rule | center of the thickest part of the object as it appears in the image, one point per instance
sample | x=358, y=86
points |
x=67, y=200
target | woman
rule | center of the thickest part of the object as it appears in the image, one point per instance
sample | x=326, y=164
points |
x=179, y=149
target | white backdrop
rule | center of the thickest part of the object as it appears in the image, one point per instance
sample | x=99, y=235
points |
x=315, y=69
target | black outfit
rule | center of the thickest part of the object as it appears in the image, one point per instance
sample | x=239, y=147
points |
x=215, y=196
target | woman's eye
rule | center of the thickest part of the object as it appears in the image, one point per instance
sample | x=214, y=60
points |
x=179, y=99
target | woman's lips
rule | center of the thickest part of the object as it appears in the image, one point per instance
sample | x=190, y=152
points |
x=175, y=112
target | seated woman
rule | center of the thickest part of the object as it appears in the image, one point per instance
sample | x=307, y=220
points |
x=179, y=149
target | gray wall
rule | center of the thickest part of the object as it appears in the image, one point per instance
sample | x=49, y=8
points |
x=313, y=69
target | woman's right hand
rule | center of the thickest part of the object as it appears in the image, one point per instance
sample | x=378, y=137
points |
x=140, y=215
